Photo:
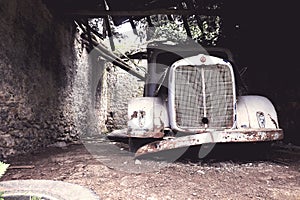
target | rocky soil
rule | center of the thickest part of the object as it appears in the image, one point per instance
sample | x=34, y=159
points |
x=222, y=175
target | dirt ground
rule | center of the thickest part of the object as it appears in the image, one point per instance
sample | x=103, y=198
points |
x=225, y=174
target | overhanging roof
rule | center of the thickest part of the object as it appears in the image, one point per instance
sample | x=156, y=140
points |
x=130, y=9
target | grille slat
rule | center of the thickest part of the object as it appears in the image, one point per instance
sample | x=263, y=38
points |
x=196, y=97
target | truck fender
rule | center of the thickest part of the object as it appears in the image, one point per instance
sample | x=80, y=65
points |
x=147, y=117
x=255, y=112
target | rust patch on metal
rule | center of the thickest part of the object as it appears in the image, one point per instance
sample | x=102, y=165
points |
x=143, y=113
x=134, y=115
x=155, y=134
x=148, y=135
x=274, y=122
x=250, y=135
x=259, y=135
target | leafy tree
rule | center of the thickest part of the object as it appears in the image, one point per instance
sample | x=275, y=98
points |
x=205, y=30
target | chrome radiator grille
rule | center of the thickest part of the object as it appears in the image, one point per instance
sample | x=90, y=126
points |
x=203, y=97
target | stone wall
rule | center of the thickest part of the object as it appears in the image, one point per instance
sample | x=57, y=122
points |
x=51, y=88
x=37, y=67
x=120, y=87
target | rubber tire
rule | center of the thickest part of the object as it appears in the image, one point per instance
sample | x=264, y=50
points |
x=52, y=190
x=135, y=143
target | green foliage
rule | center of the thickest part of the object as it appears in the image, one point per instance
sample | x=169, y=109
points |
x=1, y=195
x=35, y=198
x=206, y=30
x=168, y=30
x=3, y=168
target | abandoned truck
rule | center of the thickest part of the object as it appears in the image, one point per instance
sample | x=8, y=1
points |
x=192, y=97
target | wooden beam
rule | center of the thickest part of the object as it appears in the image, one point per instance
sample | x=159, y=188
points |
x=109, y=32
x=150, y=24
x=186, y=26
x=114, y=59
x=108, y=28
x=96, y=33
x=102, y=13
x=185, y=22
x=89, y=33
x=133, y=26
x=170, y=18
x=151, y=30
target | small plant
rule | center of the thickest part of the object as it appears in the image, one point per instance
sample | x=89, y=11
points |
x=34, y=198
x=1, y=195
x=3, y=168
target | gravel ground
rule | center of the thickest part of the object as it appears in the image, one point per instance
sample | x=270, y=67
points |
x=234, y=176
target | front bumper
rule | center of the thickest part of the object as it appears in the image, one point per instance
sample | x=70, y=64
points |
x=238, y=135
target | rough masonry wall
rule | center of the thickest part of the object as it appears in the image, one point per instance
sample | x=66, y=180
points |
x=36, y=74
x=122, y=87
x=116, y=87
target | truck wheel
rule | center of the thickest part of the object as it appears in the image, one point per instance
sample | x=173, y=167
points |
x=264, y=150
x=256, y=151
x=135, y=143
x=45, y=189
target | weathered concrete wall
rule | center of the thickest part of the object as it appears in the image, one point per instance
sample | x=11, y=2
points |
x=37, y=68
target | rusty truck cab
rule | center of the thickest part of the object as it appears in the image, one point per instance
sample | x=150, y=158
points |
x=191, y=95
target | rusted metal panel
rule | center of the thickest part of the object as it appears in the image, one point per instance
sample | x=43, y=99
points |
x=147, y=118
x=256, y=112
x=246, y=135
x=145, y=133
